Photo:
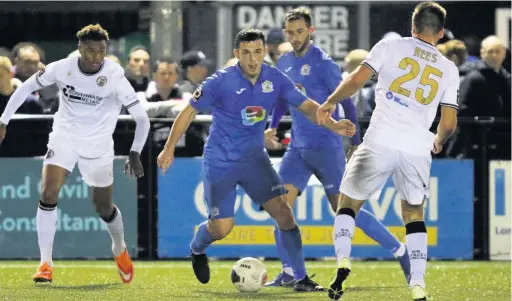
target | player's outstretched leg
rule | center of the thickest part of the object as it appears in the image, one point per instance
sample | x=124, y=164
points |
x=46, y=219
x=111, y=215
x=281, y=212
x=208, y=232
x=344, y=225
x=372, y=227
x=285, y=278
x=416, y=241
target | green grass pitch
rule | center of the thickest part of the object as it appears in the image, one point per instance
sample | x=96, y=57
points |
x=164, y=280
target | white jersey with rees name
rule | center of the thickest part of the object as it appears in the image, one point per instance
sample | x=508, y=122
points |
x=414, y=78
x=89, y=104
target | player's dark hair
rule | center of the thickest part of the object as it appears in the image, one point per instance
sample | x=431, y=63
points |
x=92, y=33
x=299, y=13
x=249, y=35
x=429, y=16
x=168, y=60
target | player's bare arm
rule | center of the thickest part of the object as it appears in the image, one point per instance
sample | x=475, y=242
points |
x=16, y=100
x=133, y=166
x=446, y=127
x=348, y=87
x=179, y=127
x=343, y=127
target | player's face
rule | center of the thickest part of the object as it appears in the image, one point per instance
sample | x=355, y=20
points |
x=92, y=53
x=251, y=55
x=298, y=34
x=166, y=75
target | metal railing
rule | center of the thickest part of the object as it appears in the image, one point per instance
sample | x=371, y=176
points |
x=486, y=138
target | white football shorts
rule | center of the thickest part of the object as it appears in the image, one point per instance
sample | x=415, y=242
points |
x=95, y=158
x=372, y=165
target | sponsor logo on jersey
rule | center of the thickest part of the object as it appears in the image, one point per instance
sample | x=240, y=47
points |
x=396, y=99
x=253, y=114
x=74, y=96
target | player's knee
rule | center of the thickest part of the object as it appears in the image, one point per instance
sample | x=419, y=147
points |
x=220, y=228
x=104, y=209
x=50, y=194
x=412, y=213
x=284, y=218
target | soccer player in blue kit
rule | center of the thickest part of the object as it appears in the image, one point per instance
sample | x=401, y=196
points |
x=239, y=98
x=314, y=149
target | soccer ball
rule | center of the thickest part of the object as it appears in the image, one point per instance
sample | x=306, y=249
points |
x=249, y=275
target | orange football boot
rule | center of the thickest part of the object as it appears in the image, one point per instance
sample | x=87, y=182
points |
x=44, y=273
x=125, y=266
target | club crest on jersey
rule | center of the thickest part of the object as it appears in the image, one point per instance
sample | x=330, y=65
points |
x=305, y=69
x=49, y=154
x=267, y=86
x=101, y=81
x=197, y=93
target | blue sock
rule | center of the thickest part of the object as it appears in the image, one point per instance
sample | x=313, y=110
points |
x=281, y=251
x=372, y=227
x=202, y=240
x=292, y=242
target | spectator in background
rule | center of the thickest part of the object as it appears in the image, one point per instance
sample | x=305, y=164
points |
x=364, y=99
x=27, y=59
x=195, y=64
x=137, y=70
x=486, y=91
x=8, y=85
x=473, y=46
x=441, y=48
x=231, y=62
x=163, y=93
x=456, y=51
x=7, y=53
x=113, y=58
x=275, y=37
x=284, y=48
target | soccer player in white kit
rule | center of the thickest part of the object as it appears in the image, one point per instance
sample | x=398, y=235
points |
x=413, y=80
x=92, y=93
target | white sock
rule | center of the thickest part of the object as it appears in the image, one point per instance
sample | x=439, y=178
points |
x=343, y=232
x=116, y=230
x=400, y=251
x=417, y=248
x=46, y=221
x=288, y=271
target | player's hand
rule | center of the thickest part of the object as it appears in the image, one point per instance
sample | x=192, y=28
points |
x=351, y=151
x=345, y=127
x=324, y=112
x=271, y=140
x=133, y=166
x=165, y=159
x=3, y=132
x=438, y=146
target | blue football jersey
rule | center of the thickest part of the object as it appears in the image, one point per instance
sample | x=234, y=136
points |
x=240, y=110
x=317, y=75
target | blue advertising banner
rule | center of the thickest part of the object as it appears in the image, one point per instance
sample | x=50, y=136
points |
x=81, y=233
x=448, y=214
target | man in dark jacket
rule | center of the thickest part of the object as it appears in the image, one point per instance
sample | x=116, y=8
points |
x=485, y=92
